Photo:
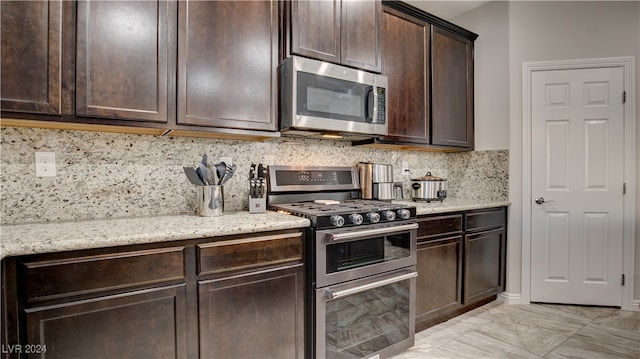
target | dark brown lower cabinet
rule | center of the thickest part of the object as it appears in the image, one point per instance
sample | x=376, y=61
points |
x=439, y=283
x=141, y=324
x=228, y=297
x=461, y=263
x=253, y=316
x=483, y=265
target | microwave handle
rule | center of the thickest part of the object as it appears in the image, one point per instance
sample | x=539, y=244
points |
x=331, y=295
x=369, y=103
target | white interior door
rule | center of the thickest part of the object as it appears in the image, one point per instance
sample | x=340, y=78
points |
x=577, y=174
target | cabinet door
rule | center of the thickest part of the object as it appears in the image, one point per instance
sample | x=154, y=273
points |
x=31, y=56
x=484, y=264
x=452, y=89
x=405, y=41
x=315, y=29
x=253, y=316
x=438, y=285
x=143, y=324
x=124, y=59
x=227, y=64
x=361, y=34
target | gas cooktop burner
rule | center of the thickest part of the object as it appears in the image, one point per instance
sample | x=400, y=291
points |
x=348, y=212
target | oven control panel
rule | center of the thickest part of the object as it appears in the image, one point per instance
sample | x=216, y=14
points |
x=359, y=219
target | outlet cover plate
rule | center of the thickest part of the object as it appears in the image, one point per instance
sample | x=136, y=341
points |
x=45, y=164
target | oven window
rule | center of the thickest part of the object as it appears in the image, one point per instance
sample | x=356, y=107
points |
x=359, y=253
x=366, y=322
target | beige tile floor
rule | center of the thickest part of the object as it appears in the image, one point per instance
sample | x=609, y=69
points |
x=499, y=330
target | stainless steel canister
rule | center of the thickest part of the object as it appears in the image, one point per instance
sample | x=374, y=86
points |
x=376, y=181
x=211, y=201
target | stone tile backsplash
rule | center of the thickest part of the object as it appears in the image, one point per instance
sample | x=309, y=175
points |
x=103, y=175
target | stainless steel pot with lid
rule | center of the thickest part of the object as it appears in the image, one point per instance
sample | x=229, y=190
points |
x=428, y=188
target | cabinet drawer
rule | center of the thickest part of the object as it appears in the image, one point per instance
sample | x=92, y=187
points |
x=477, y=221
x=436, y=226
x=56, y=278
x=250, y=252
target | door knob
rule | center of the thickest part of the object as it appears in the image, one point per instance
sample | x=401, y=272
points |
x=541, y=200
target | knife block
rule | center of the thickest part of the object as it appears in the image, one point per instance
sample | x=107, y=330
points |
x=257, y=205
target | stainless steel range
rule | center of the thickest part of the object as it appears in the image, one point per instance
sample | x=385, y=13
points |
x=361, y=257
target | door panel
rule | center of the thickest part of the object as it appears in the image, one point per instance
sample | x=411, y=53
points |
x=227, y=64
x=577, y=167
x=406, y=62
x=360, y=29
x=451, y=89
x=315, y=29
x=142, y=324
x=122, y=59
x=255, y=315
x=31, y=30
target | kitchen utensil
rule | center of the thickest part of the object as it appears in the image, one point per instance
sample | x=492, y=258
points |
x=252, y=181
x=257, y=200
x=210, y=174
x=193, y=176
x=220, y=171
x=229, y=172
x=428, y=188
x=201, y=175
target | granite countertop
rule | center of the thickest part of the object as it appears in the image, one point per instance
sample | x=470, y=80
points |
x=451, y=205
x=33, y=238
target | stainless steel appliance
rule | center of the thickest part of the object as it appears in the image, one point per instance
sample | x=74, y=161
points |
x=360, y=257
x=428, y=188
x=376, y=181
x=323, y=99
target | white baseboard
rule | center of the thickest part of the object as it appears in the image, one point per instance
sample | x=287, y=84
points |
x=510, y=298
x=516, y=298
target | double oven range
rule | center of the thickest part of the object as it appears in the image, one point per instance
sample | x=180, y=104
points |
x=360, y=259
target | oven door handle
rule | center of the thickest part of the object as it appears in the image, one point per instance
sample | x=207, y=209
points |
x=362, y=288
x=370, y=232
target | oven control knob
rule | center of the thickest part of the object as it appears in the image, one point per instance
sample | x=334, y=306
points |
x=389, y=215
x=404, y=213
x=373, y=217
x=337, y=220
x=356, y=218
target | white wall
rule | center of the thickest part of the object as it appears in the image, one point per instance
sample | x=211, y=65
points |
x=544, y=31
x=491, y=60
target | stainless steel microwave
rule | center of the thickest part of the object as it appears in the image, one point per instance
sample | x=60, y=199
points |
x=323, y=99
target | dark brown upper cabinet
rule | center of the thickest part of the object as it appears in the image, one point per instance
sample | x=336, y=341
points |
x=123, y=60
x=452, y=89
x=31, y=52
x=429, y=64
x=405, y=41
x=159, y=67
x=227, y=64
x=338, y=31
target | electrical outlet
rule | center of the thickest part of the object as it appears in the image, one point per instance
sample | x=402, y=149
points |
x=45, y=164
x=405, y=168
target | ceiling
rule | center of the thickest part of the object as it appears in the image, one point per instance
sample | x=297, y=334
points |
x=446, y=9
